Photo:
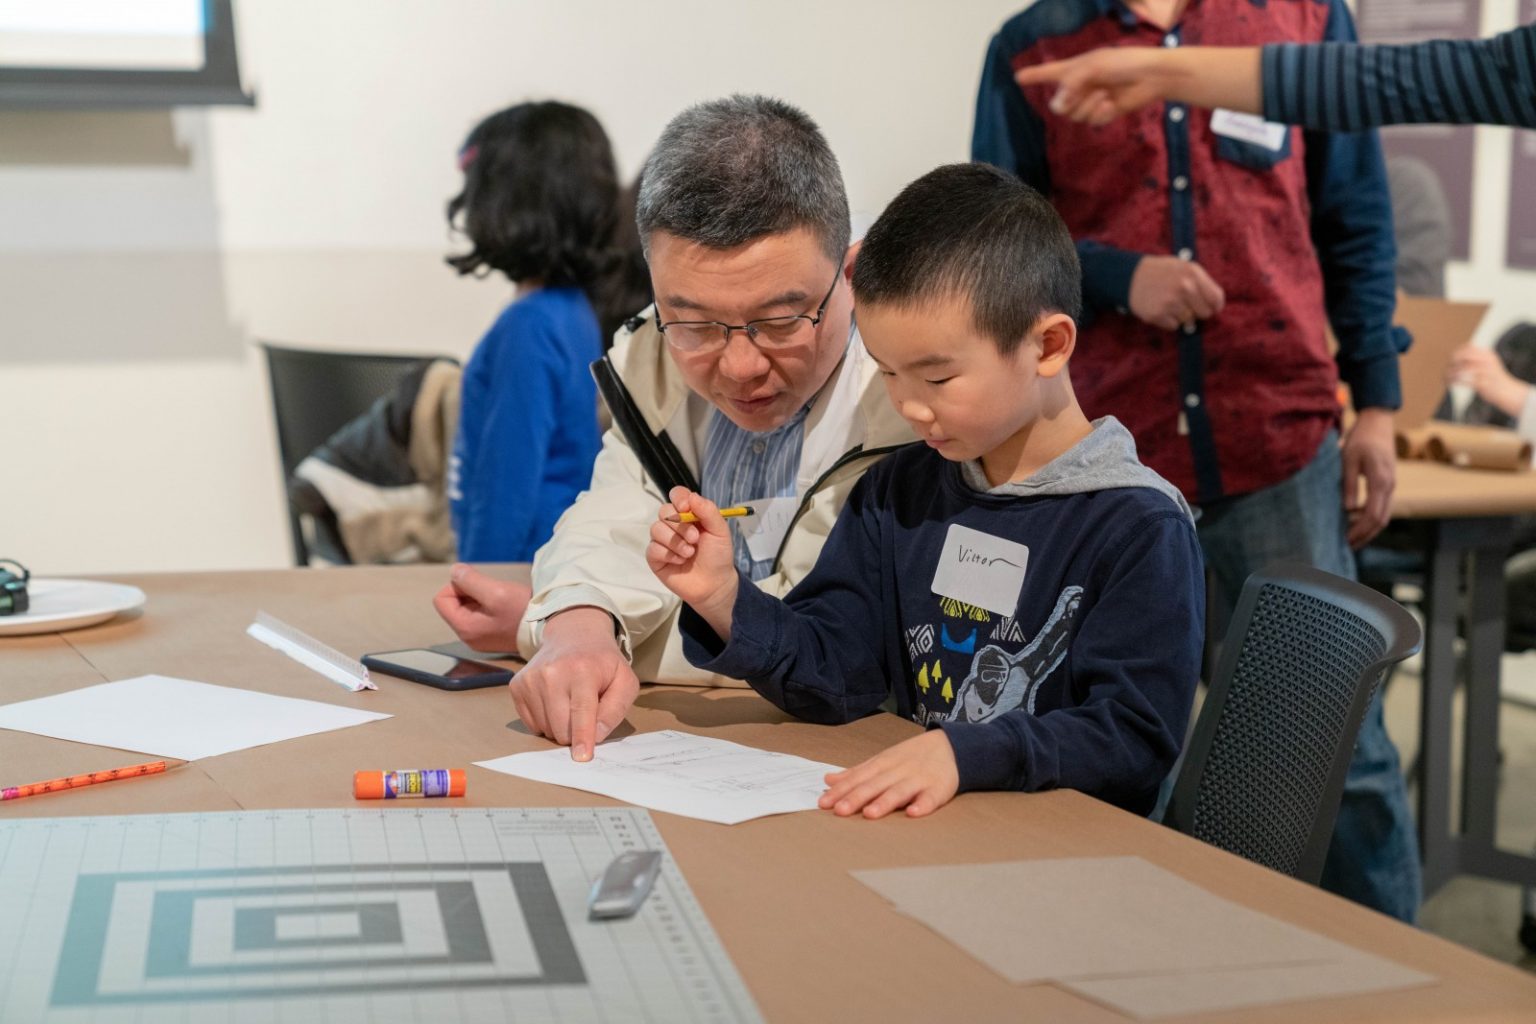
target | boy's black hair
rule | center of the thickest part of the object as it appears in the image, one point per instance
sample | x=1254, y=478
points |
x=541, y=200
x=973, y=231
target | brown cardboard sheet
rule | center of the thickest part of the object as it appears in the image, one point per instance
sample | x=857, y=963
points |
x=1087, y=917
x=1438, y=328
x=1154, y=996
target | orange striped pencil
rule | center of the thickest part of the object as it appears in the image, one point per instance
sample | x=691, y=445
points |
x=54, y=785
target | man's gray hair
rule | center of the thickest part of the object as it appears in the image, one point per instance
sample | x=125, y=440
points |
x=731, y=171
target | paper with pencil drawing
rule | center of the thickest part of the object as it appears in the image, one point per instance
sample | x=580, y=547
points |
x=677, y=772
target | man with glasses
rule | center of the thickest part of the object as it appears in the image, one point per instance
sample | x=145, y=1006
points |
x=750, y=365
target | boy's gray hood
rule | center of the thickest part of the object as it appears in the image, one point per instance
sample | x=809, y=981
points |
x=1105, y=459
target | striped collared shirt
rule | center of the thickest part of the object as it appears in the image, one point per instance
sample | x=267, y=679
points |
x=741, y=467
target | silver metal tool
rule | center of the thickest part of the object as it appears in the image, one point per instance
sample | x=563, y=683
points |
x=624, y=884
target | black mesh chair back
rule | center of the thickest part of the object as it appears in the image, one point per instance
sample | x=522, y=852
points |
x=315, y=393
x=1264, y=770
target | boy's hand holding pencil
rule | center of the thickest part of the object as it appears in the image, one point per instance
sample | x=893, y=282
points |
x=690, y=552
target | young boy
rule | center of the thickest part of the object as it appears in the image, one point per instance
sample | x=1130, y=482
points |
x=1020, y=584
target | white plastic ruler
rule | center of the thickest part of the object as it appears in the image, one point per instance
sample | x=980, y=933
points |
x=312, y=653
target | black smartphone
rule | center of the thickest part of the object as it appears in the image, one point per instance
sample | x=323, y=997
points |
x=434, y=668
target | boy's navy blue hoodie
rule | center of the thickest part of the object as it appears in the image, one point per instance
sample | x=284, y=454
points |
x=1086, y=686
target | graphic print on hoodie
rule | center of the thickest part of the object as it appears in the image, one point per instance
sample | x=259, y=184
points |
x=1087, y=683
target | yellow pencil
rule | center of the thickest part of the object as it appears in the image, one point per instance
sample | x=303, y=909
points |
x=729, y=513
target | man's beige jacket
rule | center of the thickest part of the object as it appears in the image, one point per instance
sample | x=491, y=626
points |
x=597, y=554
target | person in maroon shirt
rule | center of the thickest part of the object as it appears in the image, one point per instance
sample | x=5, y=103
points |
x=1216, y=250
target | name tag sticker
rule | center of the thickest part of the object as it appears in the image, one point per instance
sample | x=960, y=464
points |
x=764, y=530
x=980, y=569
x=1249, y=128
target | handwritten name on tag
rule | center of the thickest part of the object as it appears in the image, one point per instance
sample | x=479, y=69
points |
x=980, y=569
x=764, y=530
x=1249, y=128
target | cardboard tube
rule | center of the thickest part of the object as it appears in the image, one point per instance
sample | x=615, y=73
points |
x=1478, y=447
x=1413, y=444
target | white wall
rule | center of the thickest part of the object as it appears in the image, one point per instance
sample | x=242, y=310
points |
x=140, y=254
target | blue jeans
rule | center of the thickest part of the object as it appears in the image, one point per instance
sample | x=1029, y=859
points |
x=1374, y=857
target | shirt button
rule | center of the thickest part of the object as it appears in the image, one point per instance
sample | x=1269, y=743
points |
x=1175, y=114
x=1190, y=328
x=758, y=447
x=1180, y=183
x=1186, y=254
x=1171, y=40
x=1191, y=400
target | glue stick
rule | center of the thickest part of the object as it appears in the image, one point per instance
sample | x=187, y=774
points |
x=408, y=782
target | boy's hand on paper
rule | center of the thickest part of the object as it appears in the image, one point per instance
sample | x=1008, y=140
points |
x=1482, y=370
x=1168, y=292
x=483, y=611
x=578, y=687
x=695, y=560
x=919, y=774
x=1370, y=455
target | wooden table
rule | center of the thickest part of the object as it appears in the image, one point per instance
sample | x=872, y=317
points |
x=811, y=942
x=1463, y=520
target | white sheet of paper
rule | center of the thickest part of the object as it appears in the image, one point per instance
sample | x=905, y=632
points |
x=176, y=717
x=765, y=528
x=980, y=569
x=680, y=773
x=1248, y=128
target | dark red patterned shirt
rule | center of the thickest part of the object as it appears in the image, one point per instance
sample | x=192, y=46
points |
x=1241, y=401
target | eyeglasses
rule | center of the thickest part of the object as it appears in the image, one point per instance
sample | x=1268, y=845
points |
x=768, y=332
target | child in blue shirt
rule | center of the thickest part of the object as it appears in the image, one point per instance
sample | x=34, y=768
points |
x=1018, y=583
x=541, y=204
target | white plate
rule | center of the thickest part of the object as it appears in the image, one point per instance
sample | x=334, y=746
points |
x=57, y=605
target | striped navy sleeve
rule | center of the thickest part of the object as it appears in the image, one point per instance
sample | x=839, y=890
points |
x=1352, y=231
x=1343, y=87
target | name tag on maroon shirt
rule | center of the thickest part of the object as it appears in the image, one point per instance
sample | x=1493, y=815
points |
x=1249, y=128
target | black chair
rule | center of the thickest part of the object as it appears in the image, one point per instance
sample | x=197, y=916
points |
x=1264, y=771
x=316, y=393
